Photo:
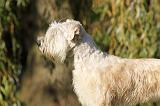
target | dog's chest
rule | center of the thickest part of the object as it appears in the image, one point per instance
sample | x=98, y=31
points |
x=86, y=86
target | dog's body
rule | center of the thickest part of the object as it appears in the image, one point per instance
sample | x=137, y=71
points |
x=100, y=79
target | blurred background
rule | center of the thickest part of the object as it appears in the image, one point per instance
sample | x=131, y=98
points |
x=126, y=28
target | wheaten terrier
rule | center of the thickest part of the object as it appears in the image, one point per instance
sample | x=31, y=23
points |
x=100, y=79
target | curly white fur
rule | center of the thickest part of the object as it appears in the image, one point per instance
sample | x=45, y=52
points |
x=100, y=79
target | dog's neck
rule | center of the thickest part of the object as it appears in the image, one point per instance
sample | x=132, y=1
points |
x=87, y=53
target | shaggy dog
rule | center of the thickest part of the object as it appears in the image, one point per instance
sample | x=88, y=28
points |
x=100, y=79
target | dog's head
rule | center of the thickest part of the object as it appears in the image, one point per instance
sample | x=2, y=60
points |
x=59, y=39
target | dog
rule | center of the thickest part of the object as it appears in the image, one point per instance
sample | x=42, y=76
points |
x=100, y=79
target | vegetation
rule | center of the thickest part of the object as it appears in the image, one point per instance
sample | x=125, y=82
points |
x=10, y=51
x=127, y=28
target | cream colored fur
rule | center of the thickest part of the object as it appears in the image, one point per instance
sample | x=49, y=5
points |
x=100, y=79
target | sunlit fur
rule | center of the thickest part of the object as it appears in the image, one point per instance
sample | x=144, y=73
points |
x=100, y=79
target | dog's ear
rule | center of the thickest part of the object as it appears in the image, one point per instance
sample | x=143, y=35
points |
x=75, y=33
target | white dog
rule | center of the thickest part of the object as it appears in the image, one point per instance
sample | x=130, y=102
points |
x=100, y=79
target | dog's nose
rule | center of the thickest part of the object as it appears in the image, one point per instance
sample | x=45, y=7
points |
x=38, y=42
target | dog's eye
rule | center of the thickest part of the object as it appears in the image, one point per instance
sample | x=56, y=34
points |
x=76, y=37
